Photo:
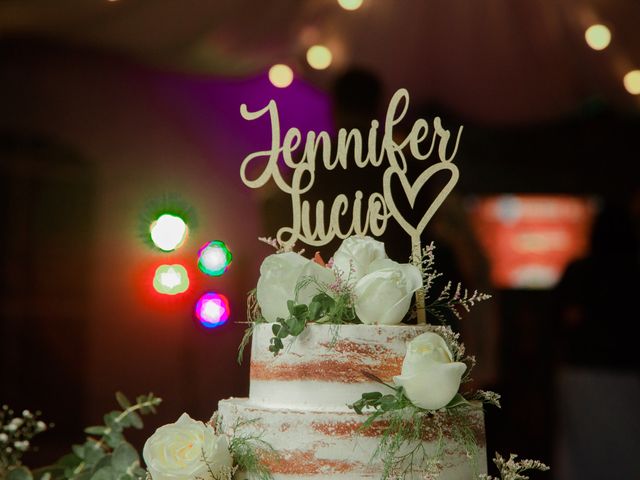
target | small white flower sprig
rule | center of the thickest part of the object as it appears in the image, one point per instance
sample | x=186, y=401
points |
x=106, y=455
x=16, y=434
x=514, y=469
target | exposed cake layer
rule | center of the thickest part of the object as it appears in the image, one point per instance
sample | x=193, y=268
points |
x=314, y=445
x=323, y=368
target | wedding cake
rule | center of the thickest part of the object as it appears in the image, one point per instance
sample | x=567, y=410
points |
x=298, y=405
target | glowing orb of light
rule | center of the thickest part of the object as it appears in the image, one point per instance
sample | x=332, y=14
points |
x=168, y=232
x=319, y=57
x=350, y=4
x=212, y=310
x=214, y=258
x=632, y=82
x=597, y=36
x=171, y=279
x=281, y=75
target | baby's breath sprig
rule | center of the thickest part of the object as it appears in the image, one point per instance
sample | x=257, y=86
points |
x=461, y=299
x=514, y=469
x=16, y=434
x=279, y=246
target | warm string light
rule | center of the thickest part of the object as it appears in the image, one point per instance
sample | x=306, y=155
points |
x=319, y=57
x=631, y=82
x=281, y=75
x=350, y=4
x=597, y=36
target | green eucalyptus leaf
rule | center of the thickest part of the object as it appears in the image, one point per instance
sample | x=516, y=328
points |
x=371, y=396
x=19, y=473
x=124, y=457
x=123, y=401
x=388, y=402
x=85, y=475
x=457, y=401
x=112, y=420
x=139, y=472
x=295, y=326
x=135, y=420
x=291, y=306
x=275, y=329
x=114, y=439
x=103, y=462
x=78, y=450
x=96, y=430
x=69, y=461
x=93, y=453
x=105, y=473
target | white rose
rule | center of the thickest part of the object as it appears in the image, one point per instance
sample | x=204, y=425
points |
x=355, y=255
x=279, y=275
x=430, y=377
x=384, y=296
x=178, y=451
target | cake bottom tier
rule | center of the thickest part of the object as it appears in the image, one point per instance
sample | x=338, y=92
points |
x=318, y=444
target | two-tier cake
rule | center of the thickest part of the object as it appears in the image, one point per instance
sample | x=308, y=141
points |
x=298, y=404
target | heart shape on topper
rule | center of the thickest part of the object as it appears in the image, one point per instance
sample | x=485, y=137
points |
x=411, y=191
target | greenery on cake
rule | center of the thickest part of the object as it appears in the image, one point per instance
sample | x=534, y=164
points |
x=358, y=285
x=185, y=450
x=425, y=395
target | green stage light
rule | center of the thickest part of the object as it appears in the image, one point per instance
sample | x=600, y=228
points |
x=168, y=232
x=214, y=258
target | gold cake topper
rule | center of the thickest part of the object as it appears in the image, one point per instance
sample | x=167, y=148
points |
x=379, y=206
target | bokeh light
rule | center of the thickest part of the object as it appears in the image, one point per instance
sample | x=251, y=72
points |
x=171, y=279
x=319, y=57
x=212, y=310
x=598, y=36
x=214, y=258
x=168, y=232
x=281, y=75
x=350, y=4
x=632, y=82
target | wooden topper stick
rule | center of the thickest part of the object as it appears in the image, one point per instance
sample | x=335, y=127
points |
x=420, y=294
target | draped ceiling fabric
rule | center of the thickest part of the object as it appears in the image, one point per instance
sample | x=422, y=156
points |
x=493, y=61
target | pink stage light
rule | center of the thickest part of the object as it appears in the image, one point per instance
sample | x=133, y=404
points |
x=212, y=310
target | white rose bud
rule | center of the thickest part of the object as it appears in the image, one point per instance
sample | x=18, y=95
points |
x=355, y=255
x=178, y=451
x=384, y=296
x=430, y=377
x=279, y=275
x=41, y=426
x=3, y=437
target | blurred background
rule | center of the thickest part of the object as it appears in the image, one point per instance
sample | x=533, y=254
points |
x=114, y=112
